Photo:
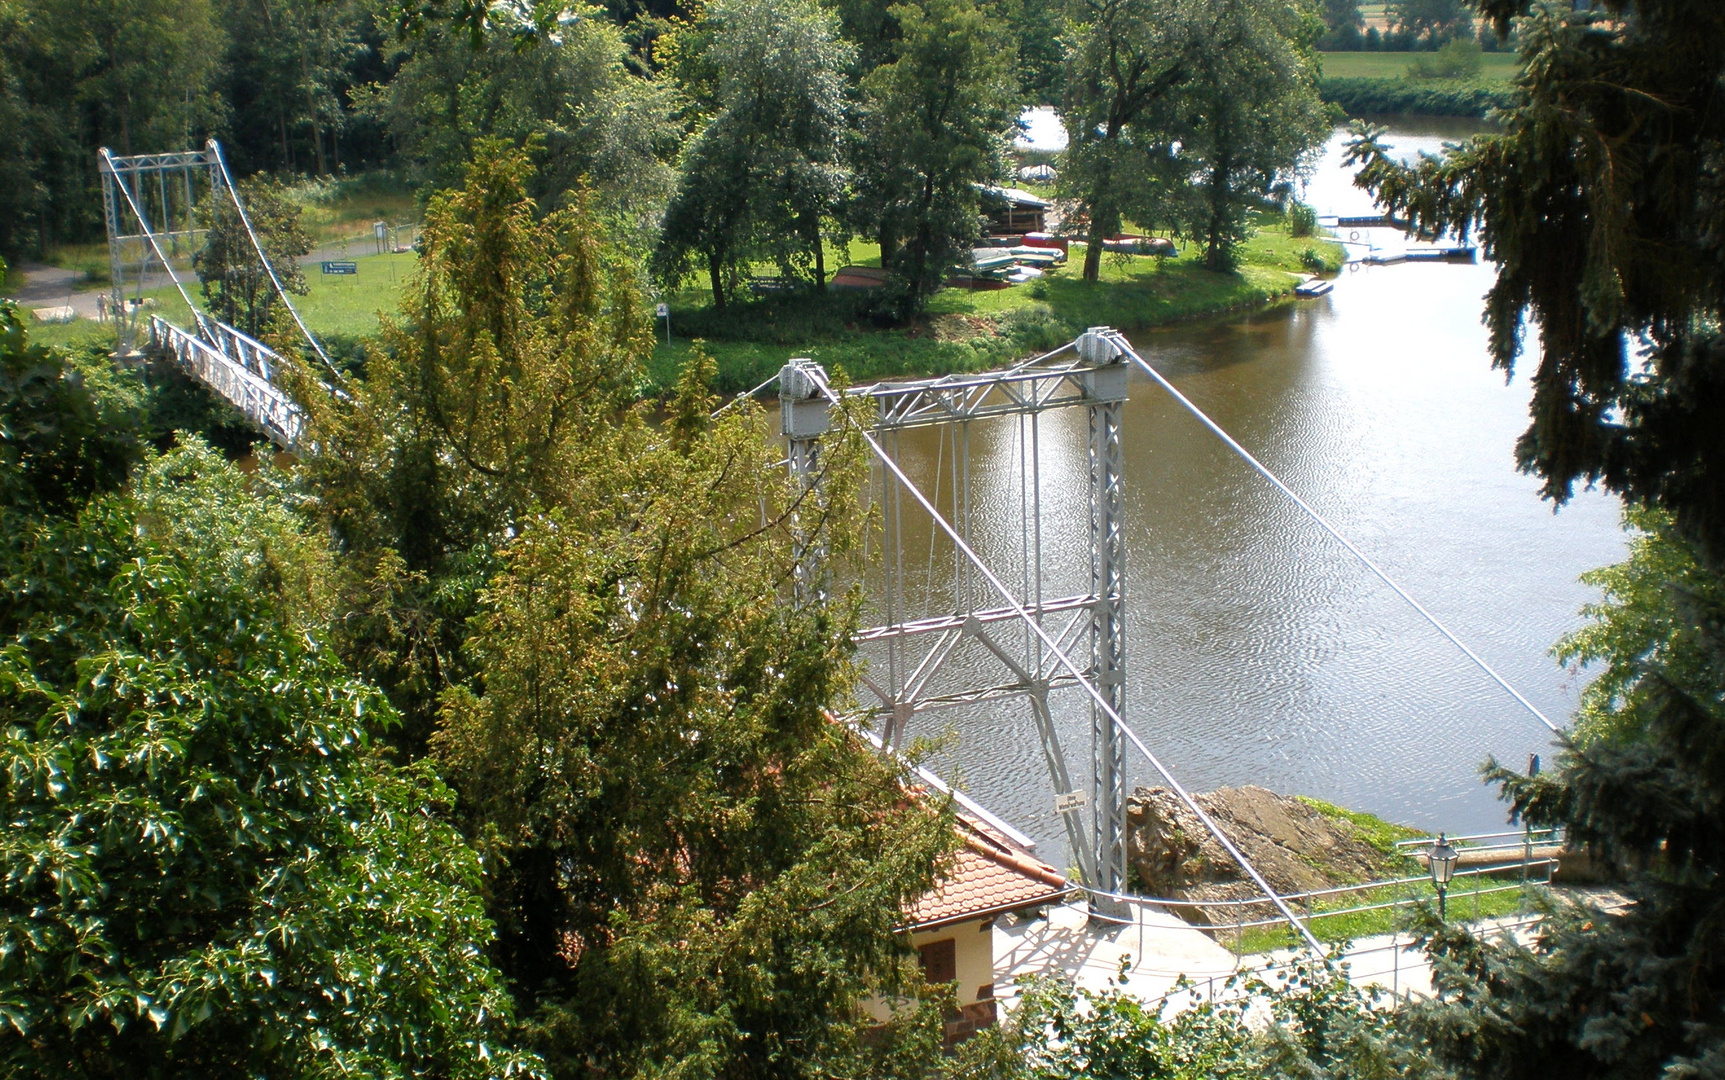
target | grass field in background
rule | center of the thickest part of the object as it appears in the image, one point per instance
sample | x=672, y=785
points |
x=1498, y=67
x=335, y=305
x=973, y=331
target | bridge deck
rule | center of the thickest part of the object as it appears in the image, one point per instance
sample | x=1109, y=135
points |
x=243, y=371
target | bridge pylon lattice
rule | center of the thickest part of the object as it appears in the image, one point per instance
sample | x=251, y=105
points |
x=152, y=203
x=913, y=650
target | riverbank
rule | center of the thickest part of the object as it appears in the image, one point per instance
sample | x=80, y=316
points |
x=962, y=330
x=1378, y=84
x=1413, y=97
x=1340, y=868
x=974, y=331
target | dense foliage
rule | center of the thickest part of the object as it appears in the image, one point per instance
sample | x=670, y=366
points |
x=1599, y=201
x=582, y=616
x=208, y=870
x=934, y=128
x=1300, y=1020
x=1358, y=96
x=237, y=287
x=1185, y=115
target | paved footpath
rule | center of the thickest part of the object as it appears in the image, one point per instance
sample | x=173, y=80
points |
x=1153, y=949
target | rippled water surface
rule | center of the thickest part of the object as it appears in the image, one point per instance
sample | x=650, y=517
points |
x=1258, y=650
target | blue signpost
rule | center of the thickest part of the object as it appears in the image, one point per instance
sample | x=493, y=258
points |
x=341, y=268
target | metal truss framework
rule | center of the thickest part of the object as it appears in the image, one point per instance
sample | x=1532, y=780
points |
x=914, y=653
x=160, y=194
x=1095, y=375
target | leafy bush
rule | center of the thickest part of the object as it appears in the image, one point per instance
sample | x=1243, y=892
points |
x=1364, y=97
x=1458, y=59
x=1302, y=219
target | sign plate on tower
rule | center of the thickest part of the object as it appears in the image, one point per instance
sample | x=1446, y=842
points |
x=1068, y=801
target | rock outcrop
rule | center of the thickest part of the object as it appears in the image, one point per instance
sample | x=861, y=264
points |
x=1295, y=846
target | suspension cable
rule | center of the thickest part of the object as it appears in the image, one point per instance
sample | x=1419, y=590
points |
x=245, y=219
x=1364, y=559
x=1096, y=696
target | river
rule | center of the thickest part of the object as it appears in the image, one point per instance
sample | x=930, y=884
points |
x=1258, y=650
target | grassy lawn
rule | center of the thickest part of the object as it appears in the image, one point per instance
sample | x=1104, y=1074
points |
x=972, y=331
x=1468, y=901
x=1380, y=834
x=333, y=209
x=336, y=305
x=1499, y=67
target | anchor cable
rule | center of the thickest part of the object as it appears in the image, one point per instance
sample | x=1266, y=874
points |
x=245, y=219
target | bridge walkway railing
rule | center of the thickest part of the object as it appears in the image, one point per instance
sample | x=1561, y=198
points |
x=239, y=368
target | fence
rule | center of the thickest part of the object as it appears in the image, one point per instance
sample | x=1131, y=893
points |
x=1530, y=854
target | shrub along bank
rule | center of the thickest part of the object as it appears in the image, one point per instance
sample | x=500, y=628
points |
x=1362, y=96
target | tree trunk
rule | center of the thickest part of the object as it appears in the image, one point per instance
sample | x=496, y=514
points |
x=716, y=275
x=1215, y=258
x=1093, y=253
x=311, y=111
x=888, y=246
x=820, y=253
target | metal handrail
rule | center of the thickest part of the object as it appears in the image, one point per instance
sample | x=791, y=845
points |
x=1180, y=902
x=243, y=374
x=1510, y=840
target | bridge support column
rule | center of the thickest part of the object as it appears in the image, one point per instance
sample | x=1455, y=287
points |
x=803, y=419
x=1105, y=390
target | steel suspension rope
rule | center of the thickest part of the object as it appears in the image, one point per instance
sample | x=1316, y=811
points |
x=149, y=234
x=245, y=219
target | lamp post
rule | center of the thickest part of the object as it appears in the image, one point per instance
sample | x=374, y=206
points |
x=1441, y=861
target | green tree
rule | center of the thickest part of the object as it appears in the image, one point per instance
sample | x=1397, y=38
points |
x=1430, y=22
x=764, y=172
x=1124, y=59
x=519, y=340
x=1646, y=620
x=591, y=122
x=693, y=867
x=134, y=75
x=290, y=66
x=1247, y=114
x=236, y=285
x=1316, y=1024
x=1597, y=202
x=1343, y=24
x=207, y=870
x=936, y=123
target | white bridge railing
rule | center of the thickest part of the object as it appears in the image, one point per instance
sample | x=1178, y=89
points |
x=240, y=369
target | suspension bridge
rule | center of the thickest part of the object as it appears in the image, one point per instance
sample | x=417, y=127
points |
x=1035, y=645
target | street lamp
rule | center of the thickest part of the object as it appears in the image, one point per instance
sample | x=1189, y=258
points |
x=1441, y=861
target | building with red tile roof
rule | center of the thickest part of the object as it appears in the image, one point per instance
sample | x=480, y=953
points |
x=951, y=927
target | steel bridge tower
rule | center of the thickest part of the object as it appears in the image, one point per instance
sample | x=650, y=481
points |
x=911, y=652
x=161, y=194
